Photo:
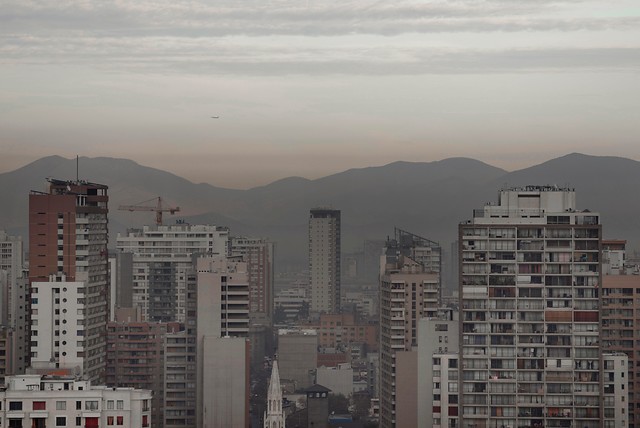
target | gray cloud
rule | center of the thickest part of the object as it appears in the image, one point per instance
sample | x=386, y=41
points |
x=259, y=18
x=298, y=37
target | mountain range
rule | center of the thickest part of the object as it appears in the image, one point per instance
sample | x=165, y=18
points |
x=426, y=198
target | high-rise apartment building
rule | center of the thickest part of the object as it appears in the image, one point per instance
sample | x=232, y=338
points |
x=68, y=239
x=14, y=333
x=324, y=260
x=257, y=253
x=11, y=256
x=409, y=291
x=437, y=372
x=135, y=359
x=222, y=342
x=162, y=258
x=621, y=317
x=530, y=277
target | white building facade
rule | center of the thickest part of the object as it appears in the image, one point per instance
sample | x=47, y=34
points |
x=438, y=372
x=162, y=258
x=41, y=401
x=58, y=325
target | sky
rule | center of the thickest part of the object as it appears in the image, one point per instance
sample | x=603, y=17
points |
x=309, y=88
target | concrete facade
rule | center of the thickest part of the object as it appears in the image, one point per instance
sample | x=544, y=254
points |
x=135, y=359
x=162, y=258
x=409, y=291
x=59, y=326
x=437, y=367
x=338, y=379
x=258, y=254
x=68, y=236
x=324, y=260
x=530, y=275
x=223, y=352
x=297, y=356
x=50, y=401
x=14, y=301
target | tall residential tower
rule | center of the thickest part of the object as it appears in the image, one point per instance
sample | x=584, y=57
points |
x=529, y=288
x=324, y=260
x=68, y=243
x=409, y=291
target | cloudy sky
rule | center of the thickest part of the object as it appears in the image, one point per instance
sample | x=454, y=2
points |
x=310, y=87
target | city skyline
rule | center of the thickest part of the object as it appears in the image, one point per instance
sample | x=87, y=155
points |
x=310, y=89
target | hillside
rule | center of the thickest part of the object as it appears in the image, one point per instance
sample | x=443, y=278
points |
x=427, y=198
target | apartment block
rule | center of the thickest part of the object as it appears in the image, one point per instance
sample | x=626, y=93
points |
x=437, y=372
x=223, y=352
x=68, y=239
x=530, y=281
x=135, y=359
x=621, y=317
x=324, y=260
x=409, y=291
x=52, y=401
x=335, y=330
x=180, y=360
x=60, y=327
x=258, y=254
x=14, y=302
x=616, y=393
x=162, y=258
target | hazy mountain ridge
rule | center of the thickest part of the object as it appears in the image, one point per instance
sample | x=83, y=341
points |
x=426, y=198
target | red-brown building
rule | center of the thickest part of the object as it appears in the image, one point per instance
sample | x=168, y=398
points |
x=336, y=329
x=135, y=358
x=68, y=236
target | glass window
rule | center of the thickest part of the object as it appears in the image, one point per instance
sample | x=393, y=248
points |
x=91, y=405
x=61, y=405
x=61, y=421
x=39, y=405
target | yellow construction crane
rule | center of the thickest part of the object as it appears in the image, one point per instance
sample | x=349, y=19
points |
x=158, y=208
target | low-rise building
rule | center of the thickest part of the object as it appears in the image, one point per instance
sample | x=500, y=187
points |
x=51, y=401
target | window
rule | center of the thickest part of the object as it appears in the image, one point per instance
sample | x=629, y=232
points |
x=120, y=420
x=120, y=405
x=15, y=405
x=39, y=405
x=145, y=420
x=109, y=420
x=78, y=421
x=61, y=421
x=91, y=405
x=61, y=405
x=78, y=405
x=110, y=405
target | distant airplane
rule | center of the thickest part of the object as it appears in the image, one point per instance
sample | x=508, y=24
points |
x=215, y=117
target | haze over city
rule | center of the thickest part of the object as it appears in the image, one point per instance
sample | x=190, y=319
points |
x=313, y=88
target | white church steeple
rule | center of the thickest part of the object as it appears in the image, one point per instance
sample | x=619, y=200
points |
x=274, y=415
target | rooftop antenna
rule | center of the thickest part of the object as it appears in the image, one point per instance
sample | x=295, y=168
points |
x=77, y=169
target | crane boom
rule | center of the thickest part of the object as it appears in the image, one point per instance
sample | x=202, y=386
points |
x=158, y=208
